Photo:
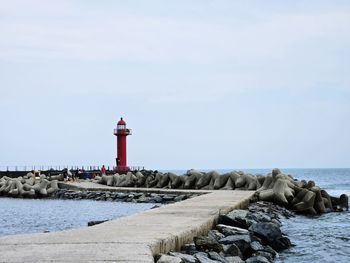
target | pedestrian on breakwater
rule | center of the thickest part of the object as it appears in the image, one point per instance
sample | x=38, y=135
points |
x=103, y=170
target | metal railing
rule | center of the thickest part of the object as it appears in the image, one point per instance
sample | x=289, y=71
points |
x=28, y=168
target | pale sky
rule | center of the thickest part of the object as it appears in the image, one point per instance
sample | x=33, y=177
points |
x=202, y=84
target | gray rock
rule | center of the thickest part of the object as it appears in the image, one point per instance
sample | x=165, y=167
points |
x=215, y=234
x=267, y=231
x=241, y=241
x=168, y=197
x=122, y=195
x=216, y=256
x=180, y=198
x=231, y=230
x=206, y=243
x=203, y=258
x=232, y=250
x=256, y=246
x=169, y=259
x=259, y=217
x=234, y=260
x=257, y=259
x=232, y=239
x=281, y=243
x=265, y=254
x=157, y=199
x=189, y=249
x=236, y=218
x=185, y=258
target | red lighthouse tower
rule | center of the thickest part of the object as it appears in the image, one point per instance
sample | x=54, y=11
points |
x=121, y=132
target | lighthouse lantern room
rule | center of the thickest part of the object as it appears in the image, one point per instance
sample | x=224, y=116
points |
x=121, y=132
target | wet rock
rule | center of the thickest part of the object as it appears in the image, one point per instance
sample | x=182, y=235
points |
x=203, y=243
x=257, y=259
x=281, y=243
x=266, y=231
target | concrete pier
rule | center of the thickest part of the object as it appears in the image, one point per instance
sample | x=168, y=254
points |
x=136, y=238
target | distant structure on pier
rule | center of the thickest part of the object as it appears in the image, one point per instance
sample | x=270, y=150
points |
x=121, y=132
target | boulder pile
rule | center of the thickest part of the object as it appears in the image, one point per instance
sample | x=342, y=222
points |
x=252, y=236
x=133, y=197
x=28, y=186
x=277, y=187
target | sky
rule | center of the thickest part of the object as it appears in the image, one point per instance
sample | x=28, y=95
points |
x=202, y=84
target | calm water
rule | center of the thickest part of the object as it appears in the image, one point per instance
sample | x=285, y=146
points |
x=325, y=238
x=21, y=216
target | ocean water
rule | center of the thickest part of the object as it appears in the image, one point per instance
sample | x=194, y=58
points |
x=323, y=238
x=23, y=216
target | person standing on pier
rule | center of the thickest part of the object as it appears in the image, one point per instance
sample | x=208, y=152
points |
x=103, y=170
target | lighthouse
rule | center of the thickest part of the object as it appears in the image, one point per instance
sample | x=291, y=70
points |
x=121, y=132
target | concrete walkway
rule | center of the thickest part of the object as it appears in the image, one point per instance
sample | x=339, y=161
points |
x=135, y=238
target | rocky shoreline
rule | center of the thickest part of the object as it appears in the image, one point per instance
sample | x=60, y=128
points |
x=114, y=196
x=251, y=236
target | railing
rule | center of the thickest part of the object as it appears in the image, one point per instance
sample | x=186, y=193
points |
x=122, y=132
x=27, y=168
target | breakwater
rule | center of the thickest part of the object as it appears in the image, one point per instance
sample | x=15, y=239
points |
x=277, y=187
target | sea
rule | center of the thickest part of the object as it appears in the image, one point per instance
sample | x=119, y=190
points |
x=323, y=238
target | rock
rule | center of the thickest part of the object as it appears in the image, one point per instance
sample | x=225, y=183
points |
x=281, y=243
x=156, y=199
x=215, y=234
x=232, y=250
x=203, y=258
x=168, y=197
x=236, y=218
x=257, y=259
x=232, y=239
x=234, y=260
x=189, y=249
x=169, y=259
x=92, y=223
x=180, y=198
x=184, y=257
x=231, y=230
x=265, y=254
x=256, y=246
x=216, y=256
x=241, y=241
x=203, y=243
x=122, y=195
x=266, y=231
